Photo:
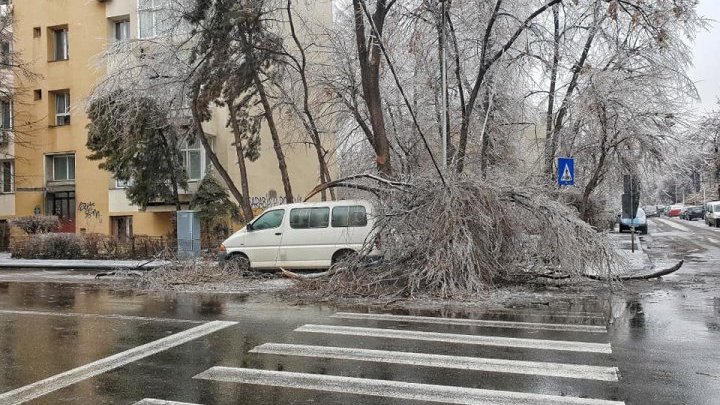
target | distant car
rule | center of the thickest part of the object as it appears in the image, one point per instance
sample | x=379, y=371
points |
x=675, y=210
x=650, y=211
x=712, y=214
x=691, y=213
x=639, y=222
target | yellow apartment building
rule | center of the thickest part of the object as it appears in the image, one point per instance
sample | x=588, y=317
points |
x=61, y=40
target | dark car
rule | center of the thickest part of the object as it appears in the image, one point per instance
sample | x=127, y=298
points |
x=692, y=213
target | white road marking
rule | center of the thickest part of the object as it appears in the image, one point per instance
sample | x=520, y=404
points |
x=673, y=224
x=85, y=315
x=62, y=380
x=390, y=389
x=578, y=371
x=153, y=401
x=474, y=322
x=459, y=339
x=585, y=315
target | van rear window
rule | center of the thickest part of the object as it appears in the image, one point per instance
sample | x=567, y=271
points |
x=352, y=216
x=302, y=218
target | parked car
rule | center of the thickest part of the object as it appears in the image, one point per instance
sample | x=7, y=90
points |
x=303, y=235
x=675, y=210
x=639, y=222
x=650, y=211
x=691, y=213
x=712, y=214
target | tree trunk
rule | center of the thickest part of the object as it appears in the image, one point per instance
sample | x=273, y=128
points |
x=370, y=78
x=213, y=157
x=275, y=137
x=549, y=146
x=245, y=202
x=483, y=69
x=599, y=168
x=560, y=117
x=310, y=124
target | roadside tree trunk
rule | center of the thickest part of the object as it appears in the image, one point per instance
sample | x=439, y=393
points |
x=270, y=118
x=369, y=58
x=239, y=150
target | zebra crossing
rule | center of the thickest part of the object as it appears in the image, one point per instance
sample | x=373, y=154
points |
x=376, y=329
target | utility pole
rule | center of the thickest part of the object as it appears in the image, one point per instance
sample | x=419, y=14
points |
x=443, y=78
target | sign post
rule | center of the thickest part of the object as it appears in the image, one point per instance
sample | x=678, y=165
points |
x=566, y=171
x=630, y=203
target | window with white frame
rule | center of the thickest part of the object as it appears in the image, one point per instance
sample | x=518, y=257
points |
x=60, y=44
x=122, y=183
x=122, y=30
x=62, y=108
x=153, y=17
x=5, y=115
x=7, y=171
x=63, y=167
x=193, y=158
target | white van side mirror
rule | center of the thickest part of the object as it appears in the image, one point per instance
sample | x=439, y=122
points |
x=249, y=227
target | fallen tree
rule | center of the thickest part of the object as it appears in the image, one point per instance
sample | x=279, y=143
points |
x=465, y=237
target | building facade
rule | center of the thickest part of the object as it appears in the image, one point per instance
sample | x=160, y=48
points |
x=61, y=41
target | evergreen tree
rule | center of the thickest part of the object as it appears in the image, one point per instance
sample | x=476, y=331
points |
x=137, y=144
x=214, y=205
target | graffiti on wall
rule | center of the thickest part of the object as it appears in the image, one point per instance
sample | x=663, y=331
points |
x=270, y=199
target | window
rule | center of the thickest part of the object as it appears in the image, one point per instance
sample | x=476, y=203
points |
x=5, y=115
x=6, y=177
x=63, y=167
x=60, y=44
x=153, y=17
x=122, y=30
x=269, y=220
x=5, y=55
x=352, y=216
x=62, y=108
x=193, y=158
x=302, y=218
x=37, y=32
x=122, y=183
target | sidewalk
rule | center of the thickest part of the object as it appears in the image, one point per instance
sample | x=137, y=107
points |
x=639, y=263
x=6, y=262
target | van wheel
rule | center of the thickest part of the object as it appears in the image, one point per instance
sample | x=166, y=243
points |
x=343, y=255
x=237, y=263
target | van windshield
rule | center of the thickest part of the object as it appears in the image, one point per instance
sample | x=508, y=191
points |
x=269, y=220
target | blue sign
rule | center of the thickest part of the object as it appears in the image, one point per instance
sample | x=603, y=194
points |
x=566, y=172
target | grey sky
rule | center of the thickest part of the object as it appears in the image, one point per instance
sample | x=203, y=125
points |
x=706, y=57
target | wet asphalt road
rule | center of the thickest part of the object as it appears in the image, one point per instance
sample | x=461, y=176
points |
x=652, y=342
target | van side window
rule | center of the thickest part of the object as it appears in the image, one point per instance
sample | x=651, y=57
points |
x=269, y=220
x=303, y=218
x=353, y=216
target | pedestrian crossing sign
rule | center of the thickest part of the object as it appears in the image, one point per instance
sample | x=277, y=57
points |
x=566, y=171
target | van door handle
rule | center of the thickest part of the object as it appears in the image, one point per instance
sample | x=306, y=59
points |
x=278, y=233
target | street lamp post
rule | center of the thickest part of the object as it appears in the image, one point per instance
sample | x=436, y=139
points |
x=443, y=78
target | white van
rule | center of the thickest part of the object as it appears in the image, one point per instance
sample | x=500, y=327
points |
x=303, y=235
x=712, y=214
